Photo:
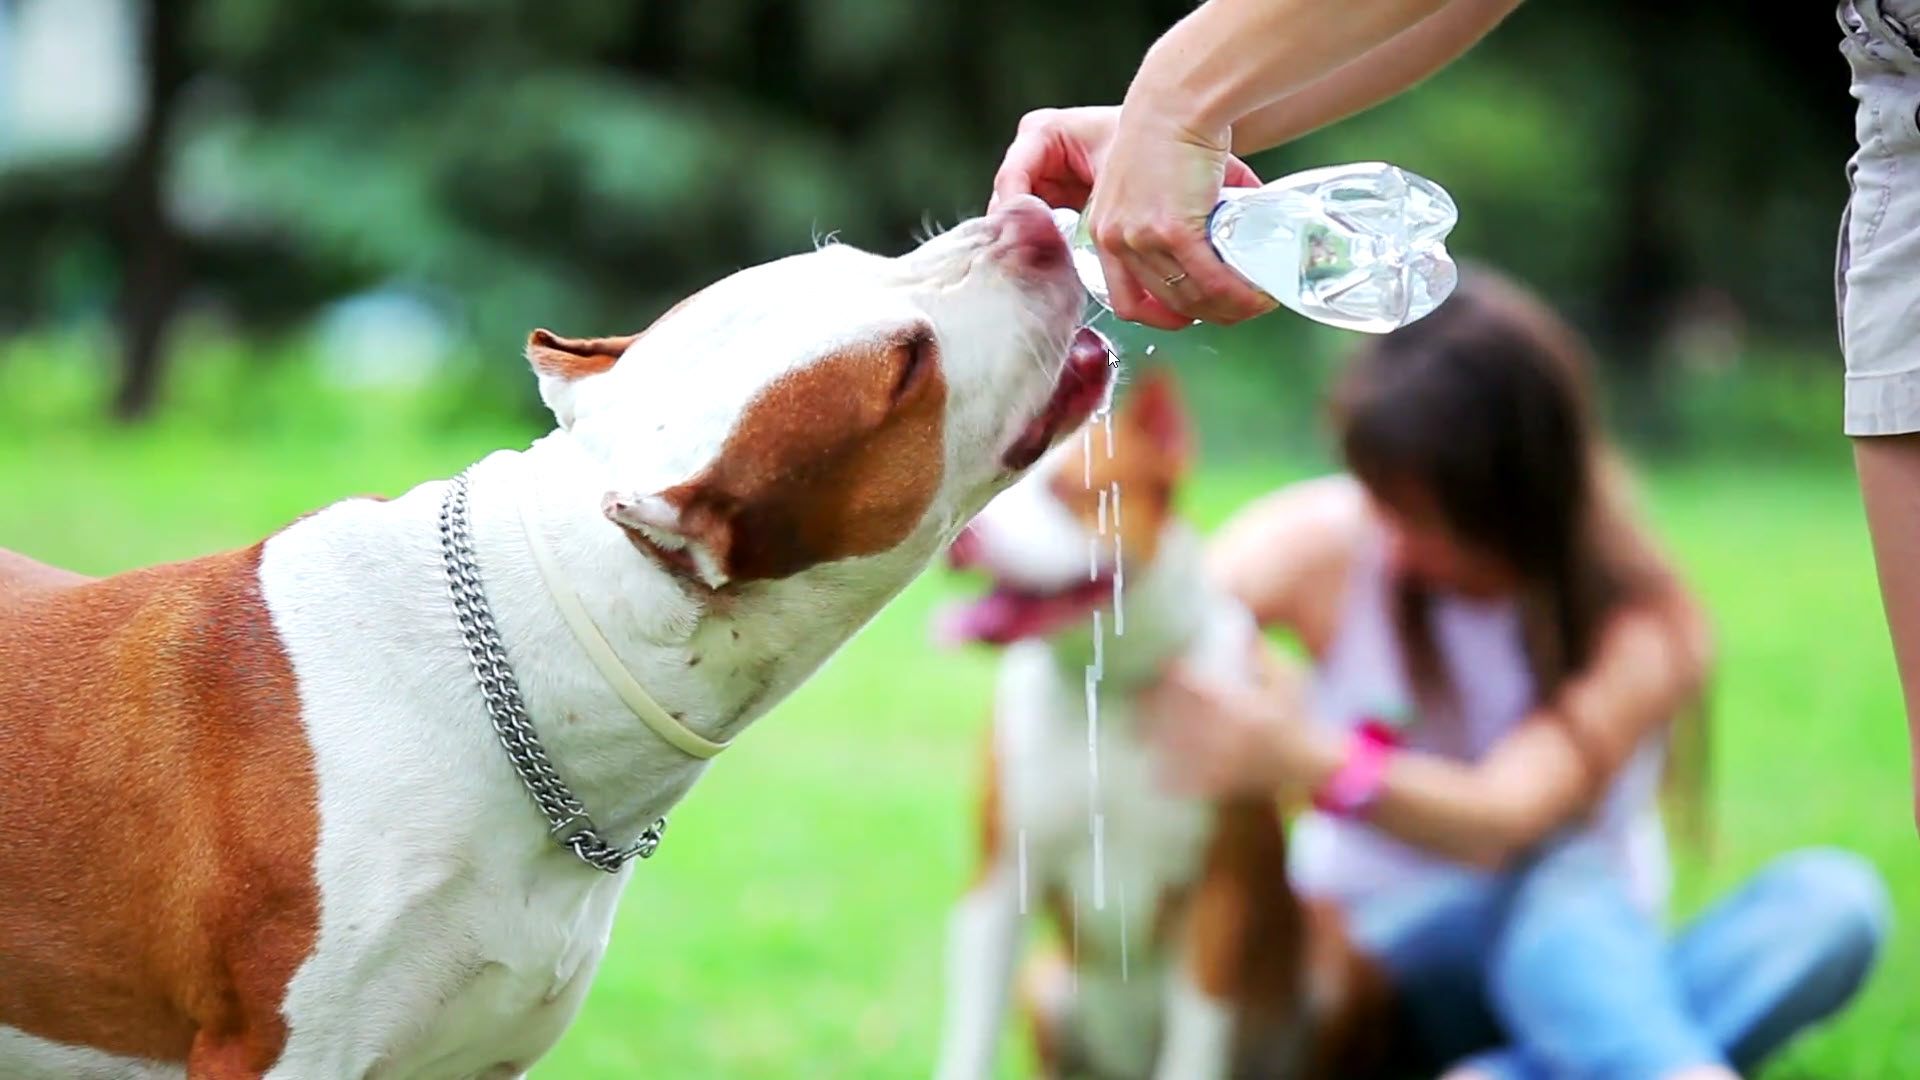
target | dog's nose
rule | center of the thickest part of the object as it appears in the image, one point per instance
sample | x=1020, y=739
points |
x=965, y=549
x=1028, y=235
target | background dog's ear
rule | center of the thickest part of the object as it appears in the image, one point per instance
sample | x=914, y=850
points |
x=682, y=526
x=1156, y=411
x=562, y=362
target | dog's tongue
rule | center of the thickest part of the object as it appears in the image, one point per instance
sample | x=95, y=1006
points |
x=1001, y=618
x=1085, y=380
x=990, y=619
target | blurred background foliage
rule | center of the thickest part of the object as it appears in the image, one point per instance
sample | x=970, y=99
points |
x=387, y=191
x=257, y=255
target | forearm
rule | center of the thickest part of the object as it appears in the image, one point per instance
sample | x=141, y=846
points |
x=1467, y=812
x=1232, y=58
x=1535, y=778
x=1380, y=73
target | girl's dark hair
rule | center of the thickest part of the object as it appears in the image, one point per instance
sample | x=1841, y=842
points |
x=1483, y=408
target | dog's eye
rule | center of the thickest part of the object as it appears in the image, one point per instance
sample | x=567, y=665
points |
x=916, y=365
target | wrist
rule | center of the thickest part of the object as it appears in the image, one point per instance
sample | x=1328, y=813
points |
x=1303, y=755
x=1356, y=772
x=1180, y=88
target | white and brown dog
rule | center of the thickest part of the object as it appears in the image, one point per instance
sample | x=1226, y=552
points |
x=1186, y=954
x=260, y=820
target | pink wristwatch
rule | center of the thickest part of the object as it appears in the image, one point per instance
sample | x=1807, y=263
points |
x=1354, y=786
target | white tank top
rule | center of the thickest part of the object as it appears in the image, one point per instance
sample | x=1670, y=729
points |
x=1481, y=650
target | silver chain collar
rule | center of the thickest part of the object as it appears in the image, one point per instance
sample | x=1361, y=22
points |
x=566, y=818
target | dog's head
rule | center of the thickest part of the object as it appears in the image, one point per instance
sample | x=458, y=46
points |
x=1053, y=543
x=834, y=405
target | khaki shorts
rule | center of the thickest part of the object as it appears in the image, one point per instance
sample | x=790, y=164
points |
x=1877, y=272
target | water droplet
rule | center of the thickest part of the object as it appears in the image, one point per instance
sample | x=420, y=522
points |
x=1119, y=586
x=1099, y=862
x=1093, y=787
x=1023, y=871
x=1103, y=511
x=1093, y=725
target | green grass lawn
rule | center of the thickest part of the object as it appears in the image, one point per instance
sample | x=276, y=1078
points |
x=792, y=924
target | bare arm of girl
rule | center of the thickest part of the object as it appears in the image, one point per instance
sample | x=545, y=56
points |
x=1285, y=555
x=1541, y=775
x=1233, y=75
x=1281, y=557
x=1371, y=78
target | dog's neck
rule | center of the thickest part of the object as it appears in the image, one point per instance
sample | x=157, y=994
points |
x=714, y=660
x=1164, y=609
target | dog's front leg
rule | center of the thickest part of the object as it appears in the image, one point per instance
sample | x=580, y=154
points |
x=983, y=940
x=1198, y=1039
x=1216, y=965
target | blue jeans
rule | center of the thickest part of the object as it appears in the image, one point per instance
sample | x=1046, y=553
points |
x=1550, y=973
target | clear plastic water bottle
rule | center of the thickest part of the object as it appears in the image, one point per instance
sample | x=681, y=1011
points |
x=1360, y=246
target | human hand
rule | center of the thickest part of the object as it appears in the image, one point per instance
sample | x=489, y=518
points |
x=1148, y=187
x=1155, y=192
x=1215, y=740
x=1056, y=154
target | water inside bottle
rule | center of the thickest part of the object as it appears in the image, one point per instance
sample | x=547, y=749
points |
x=1361, y=247
x=1086, y=261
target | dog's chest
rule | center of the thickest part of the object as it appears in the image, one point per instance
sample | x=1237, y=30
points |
x=517, y=991
x=470, y=976
x=1084, y=799
x=456, y=940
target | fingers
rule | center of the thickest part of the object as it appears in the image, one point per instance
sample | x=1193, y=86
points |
x=1193, y=758
x=1136, y=288
x=1211, y=740
x=1131, y=301
x=1051, y=156
x=1160, y=269
x=1025, y=159
x=1172, y=278
x=1211, y=290
x=1239, y=174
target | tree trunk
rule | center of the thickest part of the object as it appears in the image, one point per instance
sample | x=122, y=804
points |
x=1649, y=265
x=152, y=257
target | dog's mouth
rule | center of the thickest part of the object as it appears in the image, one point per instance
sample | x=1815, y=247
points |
x=1008, y=613
x=1082, y=387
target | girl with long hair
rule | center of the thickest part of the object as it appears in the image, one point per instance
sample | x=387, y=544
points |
x=1502, y=661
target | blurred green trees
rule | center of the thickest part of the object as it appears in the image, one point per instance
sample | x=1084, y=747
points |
x=1671, y=174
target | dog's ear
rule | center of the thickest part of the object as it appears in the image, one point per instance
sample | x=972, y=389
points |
x=683, y=526
x=839, y=458
x=1157, y=413
x=562, y=362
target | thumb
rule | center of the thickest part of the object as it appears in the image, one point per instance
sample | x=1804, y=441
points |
x=1025, y=159
x=1239, y=174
